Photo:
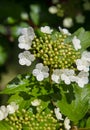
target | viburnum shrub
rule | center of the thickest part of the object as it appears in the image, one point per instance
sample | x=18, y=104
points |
x=56, y=94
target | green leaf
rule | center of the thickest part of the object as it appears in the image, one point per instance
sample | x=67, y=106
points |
x=34, y=13
x=5, y=126
x=84, y=37
x=77, y=105
x=88, y=123
x=17, y=85
x=25, y=88
x=85, y=40
x=3, y=55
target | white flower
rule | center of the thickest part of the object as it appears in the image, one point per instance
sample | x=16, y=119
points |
x=26, y=58
x=25, y=40
x=46, y=29
x=84, y=62
x=86, y=56
x=65, y=79
x=64, y=31
x=29, y=32
x=76, y=43
x=86, y=5
x=82, y=65
x=12, y=107
x=82, y=79
x=24, y=16
x=53, y=9
x=67, y=75
x=41, y=71
x=56, y=76
x=4, y=110
x=68, y=22
x=80, y=18
x=58, y=114
x=1, y=115
x=67, y=123
x=36, y=102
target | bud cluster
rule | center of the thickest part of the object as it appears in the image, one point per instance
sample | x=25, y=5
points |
x=38, y=121
x=52, y=50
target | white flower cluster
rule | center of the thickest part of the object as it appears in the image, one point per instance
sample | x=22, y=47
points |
x=68, y=76
x=62, y=74
x=9, y=109
x=41, y=72
x=25, y=42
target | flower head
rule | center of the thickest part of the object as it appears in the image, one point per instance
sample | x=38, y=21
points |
x=46, y=29
x=26, y=58
x=25, y=40
x=76, y=43
x=41, y=71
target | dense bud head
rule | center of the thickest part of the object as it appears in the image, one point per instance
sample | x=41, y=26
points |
x=52, y=50
x=38, y=121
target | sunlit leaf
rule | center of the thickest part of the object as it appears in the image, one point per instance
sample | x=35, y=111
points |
x=79, y=105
